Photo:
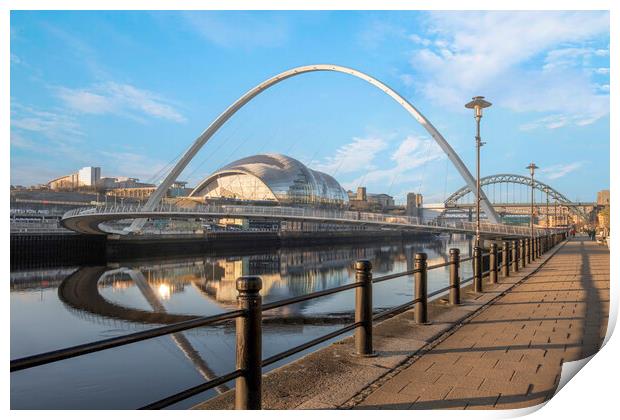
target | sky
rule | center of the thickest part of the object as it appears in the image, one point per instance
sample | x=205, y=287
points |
x=129, y=91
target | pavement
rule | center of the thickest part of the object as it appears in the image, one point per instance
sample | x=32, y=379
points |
x=510, y=355
x=502, y=348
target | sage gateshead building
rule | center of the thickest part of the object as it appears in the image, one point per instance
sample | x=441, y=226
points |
x=272, y=179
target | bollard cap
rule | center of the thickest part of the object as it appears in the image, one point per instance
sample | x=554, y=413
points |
x=249, y=284
x=455, y=251
x=421, y=256
x=363, y=265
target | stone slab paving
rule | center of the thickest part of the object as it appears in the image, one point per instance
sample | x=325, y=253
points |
x=510, y=354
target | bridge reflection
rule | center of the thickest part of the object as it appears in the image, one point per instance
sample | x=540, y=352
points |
x=285, y=273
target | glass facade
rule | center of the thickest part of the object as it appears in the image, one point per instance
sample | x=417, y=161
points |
x=273, y=177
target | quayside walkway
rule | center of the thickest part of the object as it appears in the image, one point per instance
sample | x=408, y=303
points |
x=510, y=354
x=501, y=348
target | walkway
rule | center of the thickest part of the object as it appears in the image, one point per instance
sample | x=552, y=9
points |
x=510, y=354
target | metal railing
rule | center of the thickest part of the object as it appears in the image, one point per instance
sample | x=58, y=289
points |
x=305, y=213
x=248, y=317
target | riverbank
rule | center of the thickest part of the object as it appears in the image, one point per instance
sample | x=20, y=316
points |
x=29, y=250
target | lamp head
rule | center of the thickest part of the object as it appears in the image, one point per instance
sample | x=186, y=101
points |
x=477, y=104
x=532, y=166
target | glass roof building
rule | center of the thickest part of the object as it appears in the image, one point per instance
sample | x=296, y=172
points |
x=272, y=178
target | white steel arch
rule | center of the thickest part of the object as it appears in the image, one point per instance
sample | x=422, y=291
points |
x=158, y=194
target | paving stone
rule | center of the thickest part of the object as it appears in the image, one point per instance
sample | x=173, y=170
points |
x=507, y=355
x=510, y=355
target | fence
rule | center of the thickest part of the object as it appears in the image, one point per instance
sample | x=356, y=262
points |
x=248, y=316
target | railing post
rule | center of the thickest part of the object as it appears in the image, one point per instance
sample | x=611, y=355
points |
x=249, y=344
x=522, y=252
x=477, y=263
x=528, y=251
x=505, y=259
x=363, y=308
x=455, y=286
x=514, y=259
x=536, y=242
x=493, y=264
x=421, y=306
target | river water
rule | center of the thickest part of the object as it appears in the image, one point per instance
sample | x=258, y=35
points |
x=54, y=308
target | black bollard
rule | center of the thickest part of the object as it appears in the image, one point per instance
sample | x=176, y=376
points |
x=249, y=344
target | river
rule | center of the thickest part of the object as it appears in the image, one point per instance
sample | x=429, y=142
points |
x=54, y=308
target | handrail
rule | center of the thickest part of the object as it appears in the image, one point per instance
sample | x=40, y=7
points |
x=109, y=343
x=420, y=274
x=309, y=296
x=302, y=212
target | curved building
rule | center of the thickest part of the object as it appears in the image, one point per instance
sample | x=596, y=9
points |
x=272, y=178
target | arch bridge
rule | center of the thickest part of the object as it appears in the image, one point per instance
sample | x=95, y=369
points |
x=89, y=220
x=187, y=157
x=458, y=198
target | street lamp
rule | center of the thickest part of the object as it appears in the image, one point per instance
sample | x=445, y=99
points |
x=532, y=166
x=477, y=104
x=555, y=212
x=547, y=211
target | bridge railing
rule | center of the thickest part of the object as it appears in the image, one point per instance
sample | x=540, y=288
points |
x=303, y=213
x=248, y=316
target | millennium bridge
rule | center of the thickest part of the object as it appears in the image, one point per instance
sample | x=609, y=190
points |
x=91, y=220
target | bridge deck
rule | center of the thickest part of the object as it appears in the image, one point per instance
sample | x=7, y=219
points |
x=510, y=355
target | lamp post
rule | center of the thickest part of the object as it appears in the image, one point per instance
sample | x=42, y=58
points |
x=532, y=166
x=555, y=212
x=477, y=104
x=547, y=211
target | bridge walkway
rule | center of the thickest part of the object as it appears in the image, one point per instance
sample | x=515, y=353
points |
x=509, y=355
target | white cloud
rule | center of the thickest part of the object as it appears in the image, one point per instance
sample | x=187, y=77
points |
x=405, y=166
x=560, y=170
x=119, y=99
x=352, y=156
x=53, y=125
x=48, y=133
x=602, y=70
x=524, y=61
x=419, y=40
x=571, y=57
x=558, y=121
x=85, y=101
x=20, y=142
x=246, y=30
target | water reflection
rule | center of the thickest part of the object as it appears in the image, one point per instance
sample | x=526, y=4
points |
x=153, y=292
x=51, y=309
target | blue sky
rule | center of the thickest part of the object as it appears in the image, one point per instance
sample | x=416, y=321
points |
x=129, y=91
